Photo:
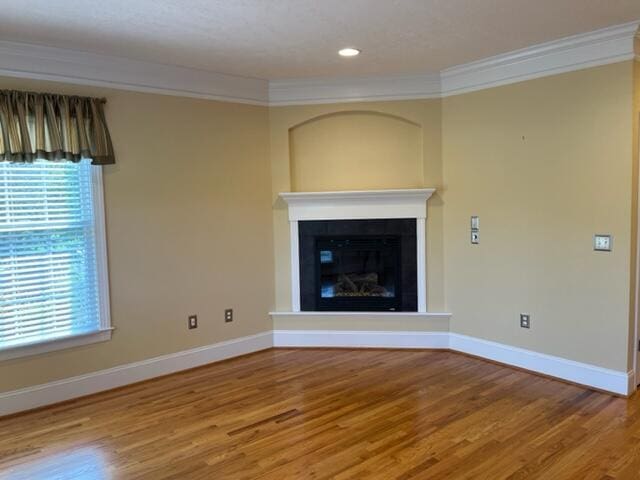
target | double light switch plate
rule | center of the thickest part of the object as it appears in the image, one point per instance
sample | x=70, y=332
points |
x=475, y=230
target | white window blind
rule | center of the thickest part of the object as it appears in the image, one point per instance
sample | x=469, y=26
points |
x=48, y=267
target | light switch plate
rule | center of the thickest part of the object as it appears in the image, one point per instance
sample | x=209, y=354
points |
x=475, y=222
x=602, y=243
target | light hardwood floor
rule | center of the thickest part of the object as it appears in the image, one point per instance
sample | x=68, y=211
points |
x=321, y=413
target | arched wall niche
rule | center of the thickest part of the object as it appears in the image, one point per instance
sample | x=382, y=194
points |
x=355, y=150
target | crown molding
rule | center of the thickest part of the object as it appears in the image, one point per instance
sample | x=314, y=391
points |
x=600, y=47
x=72, y=66
x=356, y=89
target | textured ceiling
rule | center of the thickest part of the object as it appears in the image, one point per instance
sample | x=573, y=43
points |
x=275, y=39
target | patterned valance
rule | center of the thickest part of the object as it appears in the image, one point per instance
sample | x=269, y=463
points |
x=53, y=127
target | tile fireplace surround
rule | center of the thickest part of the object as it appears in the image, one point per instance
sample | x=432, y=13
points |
x=359, y=205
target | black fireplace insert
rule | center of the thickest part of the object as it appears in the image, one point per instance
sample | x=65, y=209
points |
x=358, y=265
x=358, y=273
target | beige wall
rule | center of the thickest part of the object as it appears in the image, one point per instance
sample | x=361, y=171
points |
x=193, y=213
x=357, y=146
x=188, y=229
x=355, y=151
x=545, y=164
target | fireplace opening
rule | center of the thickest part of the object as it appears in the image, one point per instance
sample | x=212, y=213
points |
x=358, y=265
x=358, y=273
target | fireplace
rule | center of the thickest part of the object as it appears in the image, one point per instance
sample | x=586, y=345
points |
x=358, y=265
x=358, y=251
x=358, y=273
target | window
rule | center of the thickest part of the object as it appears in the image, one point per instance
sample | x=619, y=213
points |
x=53, y=282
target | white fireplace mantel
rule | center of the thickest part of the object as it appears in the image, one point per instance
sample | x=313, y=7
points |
x=356, y=205
x=359, y=205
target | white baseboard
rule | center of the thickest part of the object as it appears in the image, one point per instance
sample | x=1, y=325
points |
x=359, y=339
x=582, y=373
x=61, y=390
x=614, y=381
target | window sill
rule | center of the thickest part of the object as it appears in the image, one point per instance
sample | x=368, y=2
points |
x=55, y=344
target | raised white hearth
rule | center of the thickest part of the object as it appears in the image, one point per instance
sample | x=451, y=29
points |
x=360, y=205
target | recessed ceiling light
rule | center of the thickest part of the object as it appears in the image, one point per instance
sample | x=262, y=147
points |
x=349, y=52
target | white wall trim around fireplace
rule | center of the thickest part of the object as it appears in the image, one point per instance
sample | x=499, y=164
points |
x=359, y=205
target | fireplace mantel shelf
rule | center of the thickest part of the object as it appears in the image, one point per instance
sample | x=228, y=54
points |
x=418, y=193
x=358, y=204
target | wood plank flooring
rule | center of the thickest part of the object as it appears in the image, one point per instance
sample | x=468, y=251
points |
x=332, y=414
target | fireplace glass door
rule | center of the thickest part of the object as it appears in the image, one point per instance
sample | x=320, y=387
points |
x=358, y=273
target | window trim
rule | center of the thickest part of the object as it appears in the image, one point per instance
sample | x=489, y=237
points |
x=102, y=270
